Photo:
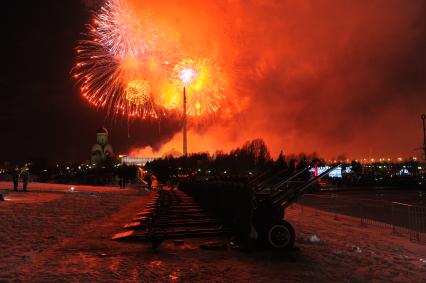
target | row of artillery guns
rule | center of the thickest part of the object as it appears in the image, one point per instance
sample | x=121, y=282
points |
x=224, y=206
x=257, y=204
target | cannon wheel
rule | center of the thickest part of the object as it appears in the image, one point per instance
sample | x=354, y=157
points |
x=281, y=235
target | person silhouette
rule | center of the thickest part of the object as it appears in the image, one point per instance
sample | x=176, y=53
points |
x=25, y=175
x=15, y=178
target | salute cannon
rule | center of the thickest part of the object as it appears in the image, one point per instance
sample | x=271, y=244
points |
x=269, y=210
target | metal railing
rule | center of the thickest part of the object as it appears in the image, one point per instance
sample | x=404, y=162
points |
x=398, y=218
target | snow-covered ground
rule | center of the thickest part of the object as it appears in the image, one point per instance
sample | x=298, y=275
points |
x=54, y=234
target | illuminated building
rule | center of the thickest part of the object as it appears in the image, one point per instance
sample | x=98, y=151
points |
x=336, y=173
x=138, y=161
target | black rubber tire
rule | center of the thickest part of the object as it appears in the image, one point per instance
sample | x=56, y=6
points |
x=281, y=236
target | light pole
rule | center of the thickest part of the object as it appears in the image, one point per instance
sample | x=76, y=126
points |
x=424, y=136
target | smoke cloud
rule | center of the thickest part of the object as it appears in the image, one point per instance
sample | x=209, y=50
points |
x=335, y=77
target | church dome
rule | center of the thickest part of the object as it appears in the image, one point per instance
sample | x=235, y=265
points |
x=102, y=130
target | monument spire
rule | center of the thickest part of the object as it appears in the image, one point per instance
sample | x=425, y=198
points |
x=184, y=131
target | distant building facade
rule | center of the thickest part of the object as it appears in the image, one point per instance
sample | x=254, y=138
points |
x=101, y=150
x=138, y=161
x=141, y=161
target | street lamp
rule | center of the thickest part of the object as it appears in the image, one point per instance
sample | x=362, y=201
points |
x=424, y=136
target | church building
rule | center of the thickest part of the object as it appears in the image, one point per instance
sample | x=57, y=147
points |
x=101, y=150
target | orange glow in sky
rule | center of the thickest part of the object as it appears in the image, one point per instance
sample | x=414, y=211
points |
x=341, y=78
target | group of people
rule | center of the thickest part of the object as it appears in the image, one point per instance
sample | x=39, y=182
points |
x=122, y=182
x=22, y=173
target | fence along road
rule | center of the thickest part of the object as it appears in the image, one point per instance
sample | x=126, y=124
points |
x=397, y=217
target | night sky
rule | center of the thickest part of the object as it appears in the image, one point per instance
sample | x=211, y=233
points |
x=342, y=78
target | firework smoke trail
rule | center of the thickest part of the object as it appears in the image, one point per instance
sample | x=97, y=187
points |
x=204, y=83
x=109, y=63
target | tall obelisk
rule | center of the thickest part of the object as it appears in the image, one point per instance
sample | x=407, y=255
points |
x=184, y=132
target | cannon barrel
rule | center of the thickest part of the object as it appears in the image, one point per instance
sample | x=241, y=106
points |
x=258, y=177
x=287, y=197
x=279, y=185
x=269, y=181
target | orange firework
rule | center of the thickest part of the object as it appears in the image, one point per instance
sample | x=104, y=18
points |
x=203, y=83
x=138, y=92
x=108, y=83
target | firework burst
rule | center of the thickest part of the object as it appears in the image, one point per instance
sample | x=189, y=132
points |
x=118, y=28
x=203, y=82
x=113, y=63
x=105, y=83
x=138, y=92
